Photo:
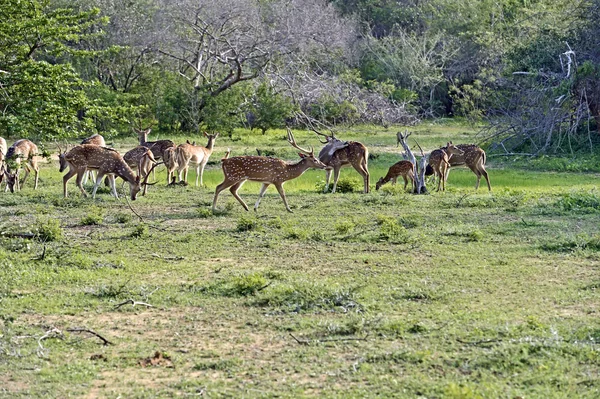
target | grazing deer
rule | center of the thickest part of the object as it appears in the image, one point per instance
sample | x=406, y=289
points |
x=440, y=161
x=105, y=161
x=474, y=158
x=337, y=154
x=405, y=169
x=266, y=170
x=170, y=159
x=140, y=158
x=21, y=149
x=190, y=153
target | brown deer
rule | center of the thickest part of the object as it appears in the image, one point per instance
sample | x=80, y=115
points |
x=21, y=150
x=194, y=154
x=140, y=158
x=440, y=161
x=95, y=139
x=402, y=168
x=170, y=159
x=157, y=147
x=337, y=154
x=265, y=170
x=105, y=161
x=473, y=157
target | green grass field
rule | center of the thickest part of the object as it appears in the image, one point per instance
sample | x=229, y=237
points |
x=461, y=294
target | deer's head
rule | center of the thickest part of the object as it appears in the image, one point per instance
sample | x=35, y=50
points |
x=379, y=183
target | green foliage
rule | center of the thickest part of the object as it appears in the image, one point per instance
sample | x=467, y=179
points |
x=95, y=216
x=246, y=223
x=269, y=108
x=47, y=229
x=391, y=230
x=580, y=201
x=139, y=231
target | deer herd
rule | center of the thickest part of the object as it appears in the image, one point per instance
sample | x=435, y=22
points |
x=136, y=165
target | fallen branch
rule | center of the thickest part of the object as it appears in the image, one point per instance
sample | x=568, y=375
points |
x=18, y=235
x=169, y=257
x=94, y=333
x=133, y=303
x=52, y=333
x=480, y=342
x=308, y=341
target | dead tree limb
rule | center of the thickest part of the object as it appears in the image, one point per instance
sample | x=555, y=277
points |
x=308, y=341
x=94, y=333
x=133, y=303
x=419, y=168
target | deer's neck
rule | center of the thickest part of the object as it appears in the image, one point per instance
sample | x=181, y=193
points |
x=125, y=172
x=296, y=169
x=143, y=138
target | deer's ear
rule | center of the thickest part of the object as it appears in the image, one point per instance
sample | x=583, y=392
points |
x=205, y=134
x=302, y=155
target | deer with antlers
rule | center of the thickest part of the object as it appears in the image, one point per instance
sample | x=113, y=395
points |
x=473, y=157
x=440, y=162
x=140, y=158
x=105, y=161
x=21, y=150
x=402, y=168
x=337, y=154
x=194, y=154
x=157, y=147
x=265, y=170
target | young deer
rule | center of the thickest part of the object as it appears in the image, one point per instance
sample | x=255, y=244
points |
x=170, y=159
x=337, y=154
x=140, y=158
x=402, y=168
x=95, y=139
x=265, y=170
x=104, y=160
x=440, y=161
x=473, y=157
x=21, y=149
x=189, y=153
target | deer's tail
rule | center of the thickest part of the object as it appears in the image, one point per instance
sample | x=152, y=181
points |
x=226, y=154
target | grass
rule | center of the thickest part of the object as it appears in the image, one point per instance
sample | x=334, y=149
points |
x=462, y=294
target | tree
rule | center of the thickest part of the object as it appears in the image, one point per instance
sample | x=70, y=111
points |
x=41, y=95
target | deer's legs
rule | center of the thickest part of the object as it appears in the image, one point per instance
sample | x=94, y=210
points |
x=202, y=173
x=78, y=182
x=327, y=176
x=220, y=188
x=263, y=189
x=99, y=177
x=113, y=186
x=233, y=189
x=66, y=178
x=363, y=171
x=279, y=187
x=336, y=176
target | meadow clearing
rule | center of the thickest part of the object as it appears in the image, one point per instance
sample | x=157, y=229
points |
x=461, y=294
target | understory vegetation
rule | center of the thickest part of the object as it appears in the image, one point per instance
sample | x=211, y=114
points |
x=462, y=294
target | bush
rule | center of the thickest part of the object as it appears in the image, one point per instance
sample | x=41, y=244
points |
x=390, y=229
x=123, y=218
x=141, y=230
x=580, y=201
x=246, y=224
x=344, y=227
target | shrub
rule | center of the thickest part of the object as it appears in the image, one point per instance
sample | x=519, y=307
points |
x=141, y=230
x=344, y=227
x=123, y=218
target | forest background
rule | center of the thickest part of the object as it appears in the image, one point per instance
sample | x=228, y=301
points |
x=528, y=71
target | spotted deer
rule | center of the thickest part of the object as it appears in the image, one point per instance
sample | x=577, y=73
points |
x=157, y=147
x=3, y=149
x=105, y=161
x=194, y=154
x=402, y=168
x=95, y=139
x=140, y=158
x=20, y=150
x=473, y=157
x=265, y=170
x=440, y=161
x=338, y=154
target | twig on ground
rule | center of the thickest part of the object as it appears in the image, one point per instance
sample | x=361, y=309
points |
x=308, y=341
x=133, y=303
x=169, y=257
x=52, y=333
x=94, y=333
x=264, y=286
x=480, y=342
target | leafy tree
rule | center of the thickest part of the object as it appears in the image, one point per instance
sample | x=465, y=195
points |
x=269, y=109
x=41, y=94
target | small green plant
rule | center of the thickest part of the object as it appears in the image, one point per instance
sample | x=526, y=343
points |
x=123, y=218
x=247, y=223
x=296, y=234
x=95, y=216
x=475, y=235
x=390, y=229
x=48, y=229
x=205, y=213
x=139, y=231
x=344, y=227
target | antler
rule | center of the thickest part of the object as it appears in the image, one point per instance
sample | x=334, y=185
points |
x=145, y=182
x=292, y=141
